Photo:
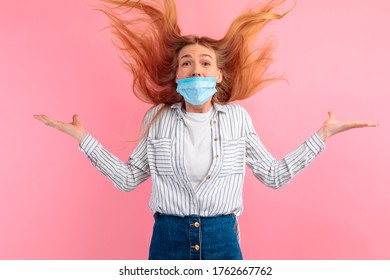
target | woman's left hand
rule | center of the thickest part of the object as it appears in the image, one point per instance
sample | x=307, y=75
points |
x=333, y=126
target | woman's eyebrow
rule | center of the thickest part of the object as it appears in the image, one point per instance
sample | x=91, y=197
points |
x=206, y=55
x=190, y=56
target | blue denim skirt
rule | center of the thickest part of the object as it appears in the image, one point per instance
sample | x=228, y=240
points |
x=194, y=238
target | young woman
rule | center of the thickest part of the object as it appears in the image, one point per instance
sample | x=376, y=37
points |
x=196, y=141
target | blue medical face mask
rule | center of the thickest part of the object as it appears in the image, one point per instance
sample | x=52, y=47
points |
x=197, y=91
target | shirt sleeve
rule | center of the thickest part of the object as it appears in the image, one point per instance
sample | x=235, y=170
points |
x=126, y=176
x=277, y=173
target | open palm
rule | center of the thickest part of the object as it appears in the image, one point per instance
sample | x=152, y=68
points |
x=333, y=126
x=73, y=128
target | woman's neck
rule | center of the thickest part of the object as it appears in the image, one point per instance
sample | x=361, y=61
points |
x=204, y=108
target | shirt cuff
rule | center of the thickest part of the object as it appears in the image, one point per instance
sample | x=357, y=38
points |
x=315, y=144
x=88, y=144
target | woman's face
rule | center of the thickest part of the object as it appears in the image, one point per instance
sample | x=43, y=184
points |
x=197, y=61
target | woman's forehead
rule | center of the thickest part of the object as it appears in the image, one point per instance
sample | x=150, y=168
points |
x=197, y=50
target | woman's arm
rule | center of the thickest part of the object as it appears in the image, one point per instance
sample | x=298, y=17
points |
x=277, y=173
x=126, y=176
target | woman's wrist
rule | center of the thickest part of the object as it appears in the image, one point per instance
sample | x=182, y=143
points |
x=323, y=134
x=80, y=136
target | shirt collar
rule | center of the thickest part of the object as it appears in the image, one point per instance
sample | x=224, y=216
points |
x=217, y=107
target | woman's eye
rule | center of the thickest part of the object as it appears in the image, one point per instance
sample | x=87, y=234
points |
x=185, y=63
x=206, y=63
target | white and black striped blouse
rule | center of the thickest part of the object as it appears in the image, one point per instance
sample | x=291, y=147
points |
x=234, y=144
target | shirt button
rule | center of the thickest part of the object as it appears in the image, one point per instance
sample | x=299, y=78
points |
x=196, y=224
x=197, y=247
x=216, y=157
x=214, y=121
x=208, y=177
x=215, y=138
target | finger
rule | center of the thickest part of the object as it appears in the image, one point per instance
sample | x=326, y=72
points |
x=42, y=118
x=359, y=124
x=48, y=121
x=331, y=115
x=374, y=124
x=371, y=124
x=75, y=120
x=37, y=117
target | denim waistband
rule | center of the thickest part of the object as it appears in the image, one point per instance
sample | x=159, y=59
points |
x=194, y=237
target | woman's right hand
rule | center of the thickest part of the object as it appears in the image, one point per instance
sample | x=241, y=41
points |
x=74, y=128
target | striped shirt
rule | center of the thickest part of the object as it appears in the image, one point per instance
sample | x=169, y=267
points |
x=235, y=143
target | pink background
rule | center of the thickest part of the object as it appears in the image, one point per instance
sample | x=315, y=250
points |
x=55, y=60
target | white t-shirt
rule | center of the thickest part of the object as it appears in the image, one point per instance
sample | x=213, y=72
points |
x=197, y=145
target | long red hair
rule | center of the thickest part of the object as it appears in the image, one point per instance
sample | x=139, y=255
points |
x=148, y=35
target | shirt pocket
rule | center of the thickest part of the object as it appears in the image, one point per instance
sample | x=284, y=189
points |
x=233, y=156
x=160, y=156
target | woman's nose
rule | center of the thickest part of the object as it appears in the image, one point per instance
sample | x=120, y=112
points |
x=196, y=71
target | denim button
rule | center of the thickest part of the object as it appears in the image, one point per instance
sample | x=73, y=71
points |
x=197, y=247
x=196, y=224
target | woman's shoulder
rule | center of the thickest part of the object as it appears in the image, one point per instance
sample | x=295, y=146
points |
x=156, y=113
x=234, y=108
x=237, y=119
x=153, y=110
x=156, y=110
